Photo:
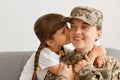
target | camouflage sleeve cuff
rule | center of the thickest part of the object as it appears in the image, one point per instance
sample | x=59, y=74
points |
x=61, y=77
x=85, y=70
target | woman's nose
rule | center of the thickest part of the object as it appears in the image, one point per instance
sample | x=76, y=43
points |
x=78, y=30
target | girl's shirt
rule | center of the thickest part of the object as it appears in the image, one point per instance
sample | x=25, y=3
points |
x=47, y=59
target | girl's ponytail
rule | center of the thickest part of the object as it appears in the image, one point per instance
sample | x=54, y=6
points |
x=36, y=62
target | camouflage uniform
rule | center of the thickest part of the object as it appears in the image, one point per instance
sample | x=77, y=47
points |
x=109, y=71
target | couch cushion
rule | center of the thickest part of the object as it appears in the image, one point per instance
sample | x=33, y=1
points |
x=11, y=64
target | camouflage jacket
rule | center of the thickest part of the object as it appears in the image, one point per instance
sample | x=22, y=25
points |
x=109, y=71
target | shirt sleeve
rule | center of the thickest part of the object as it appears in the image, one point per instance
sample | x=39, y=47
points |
x=48, y=58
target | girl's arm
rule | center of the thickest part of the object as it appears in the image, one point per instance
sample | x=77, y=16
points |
x=96, y=51
x=54, y=69
x=89, y=59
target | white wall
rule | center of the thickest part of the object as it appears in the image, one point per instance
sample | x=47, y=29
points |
x=17, y=18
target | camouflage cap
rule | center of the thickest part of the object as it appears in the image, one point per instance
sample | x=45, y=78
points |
x=89, y=15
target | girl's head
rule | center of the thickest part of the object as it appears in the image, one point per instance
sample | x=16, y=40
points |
x=48, y=25
x=52, y=31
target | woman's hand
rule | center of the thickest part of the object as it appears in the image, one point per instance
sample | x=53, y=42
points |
x=82, y=64
x=100, y=61
x=67, y=71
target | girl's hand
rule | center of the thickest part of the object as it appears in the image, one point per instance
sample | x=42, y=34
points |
x=95, y=52
x=100, y=61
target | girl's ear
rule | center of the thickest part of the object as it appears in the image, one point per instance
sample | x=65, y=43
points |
x=99, y=34
x=49, y=42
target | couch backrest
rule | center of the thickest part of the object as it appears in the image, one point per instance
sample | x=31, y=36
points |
x=113, y=52
x=12, y=63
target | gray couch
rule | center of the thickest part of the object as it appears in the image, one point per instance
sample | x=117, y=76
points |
x=12, y=63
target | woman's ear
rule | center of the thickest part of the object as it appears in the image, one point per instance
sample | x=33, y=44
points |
x=99, y=34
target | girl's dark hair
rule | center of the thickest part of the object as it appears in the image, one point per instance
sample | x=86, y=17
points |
x=45, y=27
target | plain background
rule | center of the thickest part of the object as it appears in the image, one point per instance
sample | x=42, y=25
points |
x=17, y=18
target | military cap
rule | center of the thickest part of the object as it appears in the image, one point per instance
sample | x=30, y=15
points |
x=89, y=15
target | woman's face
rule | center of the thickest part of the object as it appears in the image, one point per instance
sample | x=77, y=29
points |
x=82, y=35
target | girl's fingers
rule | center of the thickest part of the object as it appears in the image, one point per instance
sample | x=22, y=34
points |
x=102, y=61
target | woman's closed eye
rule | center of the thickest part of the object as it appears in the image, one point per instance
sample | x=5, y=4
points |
x=85, y=26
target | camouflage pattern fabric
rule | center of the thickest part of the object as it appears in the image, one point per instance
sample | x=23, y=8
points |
x=89, y=15
x=61, y=77
x=69, y=59
x=109, y=71
x=50, y=76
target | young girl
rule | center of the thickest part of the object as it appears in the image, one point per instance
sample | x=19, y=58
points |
x=53, y=33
